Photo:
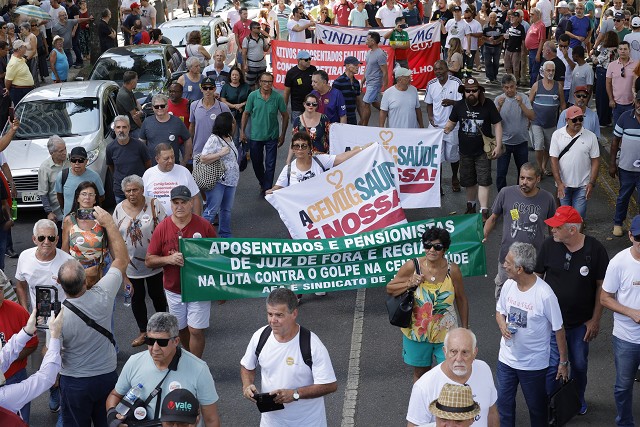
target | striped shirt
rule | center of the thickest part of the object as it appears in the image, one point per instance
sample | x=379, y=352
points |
x=350, y=92
x=628, y=128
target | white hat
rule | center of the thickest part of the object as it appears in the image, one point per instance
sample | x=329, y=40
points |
x=401, y=72
x=562, y=4
x=635, y=22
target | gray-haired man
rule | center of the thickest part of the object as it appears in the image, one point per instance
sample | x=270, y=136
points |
x=47, y=173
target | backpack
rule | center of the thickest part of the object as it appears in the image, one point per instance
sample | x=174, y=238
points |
x=305, y=344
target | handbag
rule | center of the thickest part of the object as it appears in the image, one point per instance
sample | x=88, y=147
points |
x=400, y=308
x=207, y=176
x=243, y=156
x=564, y=404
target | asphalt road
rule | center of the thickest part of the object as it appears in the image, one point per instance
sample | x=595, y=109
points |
x=381, y=382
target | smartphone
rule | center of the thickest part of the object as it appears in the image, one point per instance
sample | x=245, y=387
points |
x=266, y=403
x=47, y=301
x=85, y=214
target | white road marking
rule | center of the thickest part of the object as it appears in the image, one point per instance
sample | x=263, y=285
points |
x=353, y=374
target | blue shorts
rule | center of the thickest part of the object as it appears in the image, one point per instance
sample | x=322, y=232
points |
x=372, y=94
x=421, y=354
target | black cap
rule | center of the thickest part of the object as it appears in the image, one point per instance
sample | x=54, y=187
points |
x=181, y=192
x=78, y=152
x=208, y=81
x=351, y=60
x=618, y=15
x=181, y=406
x=457, y=9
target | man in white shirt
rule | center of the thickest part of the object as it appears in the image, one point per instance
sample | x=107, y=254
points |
x=546, y=9
x=387, y=14
x=297, y=25
x=456, y=28
x=634, y=38
x=459, y=368
x=621, y=294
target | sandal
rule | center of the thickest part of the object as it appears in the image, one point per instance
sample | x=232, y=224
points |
x=138, y=341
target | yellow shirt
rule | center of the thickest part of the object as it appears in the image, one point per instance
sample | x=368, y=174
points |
x=18, y=72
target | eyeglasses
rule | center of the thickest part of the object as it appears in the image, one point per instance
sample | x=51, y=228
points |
x=85, y=194
x=311, y=104
x=567, y=261
x=583, y=96
x=206, y=88
x=76, y=160
x=269, y=82
x=160, y=106
x=50, y=238
x=471, y=91
x=299, y=147
x=577, y=119
x=162, y=342
x=437, y=246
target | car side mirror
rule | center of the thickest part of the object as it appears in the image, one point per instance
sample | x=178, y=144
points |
x=222, y=40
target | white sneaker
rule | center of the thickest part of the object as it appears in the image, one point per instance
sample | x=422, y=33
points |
x=321, y=294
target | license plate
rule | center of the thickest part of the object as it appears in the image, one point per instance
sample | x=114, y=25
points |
x=30, y=196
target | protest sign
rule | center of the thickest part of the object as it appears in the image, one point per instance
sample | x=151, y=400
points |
x=223, y=269
x=416, y=153
x=424, y=43
x=358, y=195
x=329, y=58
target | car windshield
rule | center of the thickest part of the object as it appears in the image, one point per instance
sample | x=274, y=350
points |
x=149, y=66
x=42, y=119
x=228, y=4
x=179, y=35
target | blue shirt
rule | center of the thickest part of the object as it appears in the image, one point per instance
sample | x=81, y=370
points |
x=331, y=104
x=579, y=27
x=72, y=183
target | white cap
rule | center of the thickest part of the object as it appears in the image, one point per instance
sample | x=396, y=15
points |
x=562, y=4
x=401, y=72
x=635, y=22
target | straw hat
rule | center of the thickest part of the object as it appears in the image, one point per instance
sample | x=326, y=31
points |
x=455, y=403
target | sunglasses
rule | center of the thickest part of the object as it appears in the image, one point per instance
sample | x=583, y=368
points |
x=76, y=160
x=567, y=261
x=162, y=342
x=50, y=238
x=577, y=119
x=203, y=88
x=622, y=72
x=471, y=91
x=160, y=106
x=582, y=96
x=636, y=238
x=617, y=20
x=311, y=104
x=437, y=246
x=299, y=147
x=307, y=59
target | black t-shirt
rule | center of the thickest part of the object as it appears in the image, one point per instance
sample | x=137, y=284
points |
x=473, y=120
x=106, y=42
x=444, y=16
x=561, y=69
x=493, y=32
x=576, y=287
x=372, y=9
x=73, y=11
x=516, y=36
x=300, y=84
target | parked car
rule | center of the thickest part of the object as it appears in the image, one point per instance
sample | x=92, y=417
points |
x=216, y=34
x=80, y=112
x=222, y=8
x=157, y=66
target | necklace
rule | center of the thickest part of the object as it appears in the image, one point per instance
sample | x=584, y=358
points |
x=431, y=272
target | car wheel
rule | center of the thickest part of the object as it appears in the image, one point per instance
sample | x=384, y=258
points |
x=109, y=196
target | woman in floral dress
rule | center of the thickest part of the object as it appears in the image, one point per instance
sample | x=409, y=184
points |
x=437, y=288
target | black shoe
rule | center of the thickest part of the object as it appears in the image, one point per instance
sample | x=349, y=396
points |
x=471, y=208
x=11, y=253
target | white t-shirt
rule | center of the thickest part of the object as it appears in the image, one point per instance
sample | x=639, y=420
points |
x=55, y=15
x=428, y=387
x=282, y=366
x=434, y=95
x=575, y=165
x=272, y=19
x=388, y=16
x=536, y=313
x=634, y=43
x=401, y=107
x=622, y=279
x=545, y=10
x=457, y=30
x=297, y=175
x=474, y=27
x=296, y=36
x=40, y=273
x=146, y=14
x=159, y=184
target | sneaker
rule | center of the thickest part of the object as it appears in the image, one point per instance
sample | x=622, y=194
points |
x=11, y=253
x=583, y=409
x=487, y=82
x=471, y=208
x=617, y=231
x=495, y=82
x=321, y=294
x=54, y=399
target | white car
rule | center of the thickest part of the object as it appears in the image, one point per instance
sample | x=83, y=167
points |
x=81, y=113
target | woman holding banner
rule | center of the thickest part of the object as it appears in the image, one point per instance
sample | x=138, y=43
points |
x=437, y=287
x=315, y=124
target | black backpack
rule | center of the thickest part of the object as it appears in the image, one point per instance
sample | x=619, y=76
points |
x=305, y=344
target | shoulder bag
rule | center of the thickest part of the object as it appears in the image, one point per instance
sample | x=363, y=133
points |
x=89, y=321
x=400, y=308
x=568, y=147
x=207, y=176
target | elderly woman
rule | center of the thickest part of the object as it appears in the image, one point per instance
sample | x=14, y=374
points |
x=437, y=287
x=137, y=217
x=82, y=237
x=194, y=49
x=191, y=80
x=58, y=61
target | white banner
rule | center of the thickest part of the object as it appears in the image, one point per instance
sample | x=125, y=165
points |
x=358, y=195
x=416, y=153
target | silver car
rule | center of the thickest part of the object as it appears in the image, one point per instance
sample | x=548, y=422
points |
x=80, y=112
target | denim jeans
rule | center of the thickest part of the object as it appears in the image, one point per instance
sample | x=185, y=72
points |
x=533, y=389
x=263, y=159
x=576, y=197
x=578, y=358
x=69, y=54
x=602, y=99
x=629, y=181
x=16, y=378
x=520, y=156
x=534, y=66
x=3, y=246
x=492, y=61
x=83, y=400
x=220, y=200
x=627, y=359
x=618, y=110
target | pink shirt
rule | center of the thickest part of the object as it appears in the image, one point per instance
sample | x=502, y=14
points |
x=536, y=33
x=622, y=86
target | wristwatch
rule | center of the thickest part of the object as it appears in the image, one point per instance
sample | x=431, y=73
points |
x=564, y=363
x=296, y=395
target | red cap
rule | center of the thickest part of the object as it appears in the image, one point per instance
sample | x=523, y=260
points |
x=581, y=89
x=564, y=215
x=573, y=112
x=134, y=6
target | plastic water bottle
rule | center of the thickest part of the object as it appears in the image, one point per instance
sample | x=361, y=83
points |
x=127, y=295
x=14, y=210
x=513, y=328
x=132, y=395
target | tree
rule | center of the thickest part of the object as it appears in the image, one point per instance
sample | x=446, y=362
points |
x=95, y=8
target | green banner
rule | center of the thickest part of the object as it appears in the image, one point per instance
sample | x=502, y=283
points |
x=223, y=269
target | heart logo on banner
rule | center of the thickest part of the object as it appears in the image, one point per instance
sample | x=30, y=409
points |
x=386, y=136
x=335, y=178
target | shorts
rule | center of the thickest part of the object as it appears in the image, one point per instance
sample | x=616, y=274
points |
x=541, y=137
x=193, y=314
x=420, y=354
x=450, y=149
x=475, y=170
x=372, y=94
